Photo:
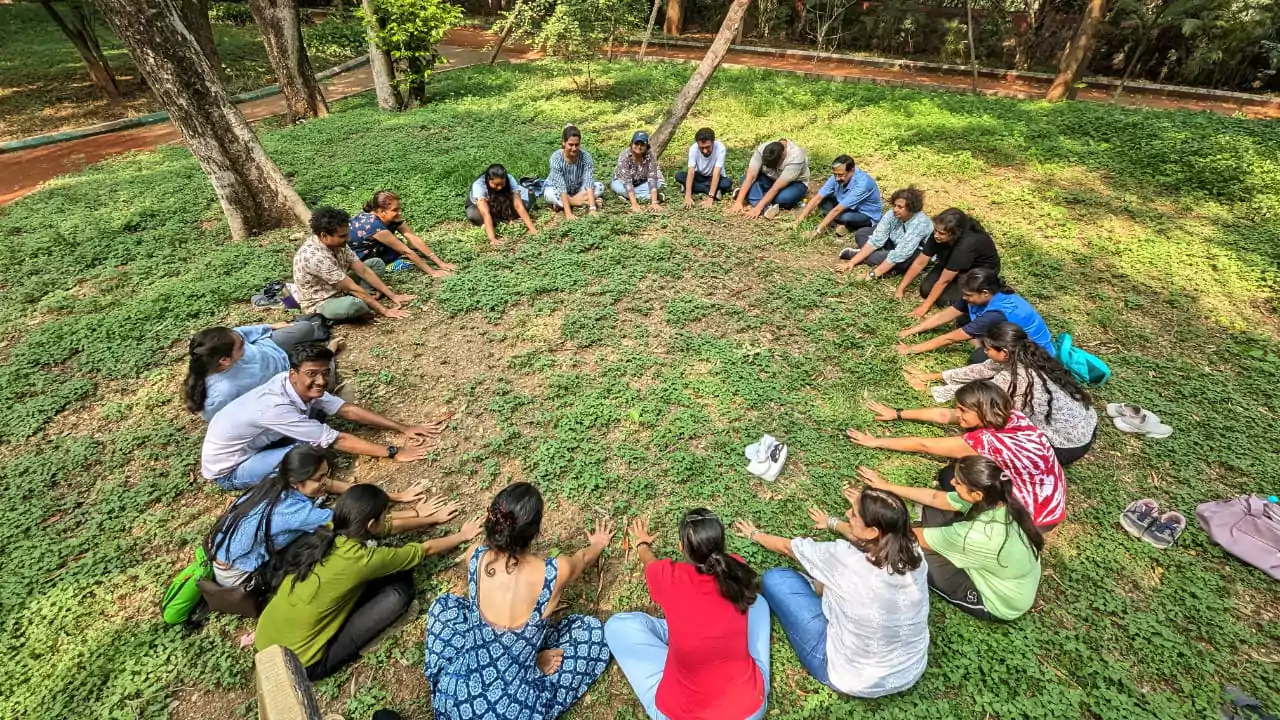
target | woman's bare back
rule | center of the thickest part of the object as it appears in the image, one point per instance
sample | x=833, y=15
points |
x=508, y=593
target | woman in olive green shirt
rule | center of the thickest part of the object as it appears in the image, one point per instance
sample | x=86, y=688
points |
x=337, y=591
x=982, y=548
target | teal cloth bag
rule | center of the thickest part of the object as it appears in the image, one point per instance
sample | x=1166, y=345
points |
x=1083, y=366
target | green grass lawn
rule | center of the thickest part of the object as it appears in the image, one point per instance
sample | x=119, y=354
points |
x=44, y=85
x=622, y=362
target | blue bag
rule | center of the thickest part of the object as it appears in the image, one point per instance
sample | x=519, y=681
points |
x=1083, y=366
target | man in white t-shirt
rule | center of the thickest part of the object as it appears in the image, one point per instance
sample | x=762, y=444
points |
x=706, y=173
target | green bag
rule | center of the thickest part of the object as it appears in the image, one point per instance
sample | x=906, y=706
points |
x=184, y=592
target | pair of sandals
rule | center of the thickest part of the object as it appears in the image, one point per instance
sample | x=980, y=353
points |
x=1129, y=418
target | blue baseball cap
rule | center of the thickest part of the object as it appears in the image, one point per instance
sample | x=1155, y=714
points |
x=640, y=136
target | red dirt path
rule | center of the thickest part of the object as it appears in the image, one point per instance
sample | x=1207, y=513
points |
x=24, y=171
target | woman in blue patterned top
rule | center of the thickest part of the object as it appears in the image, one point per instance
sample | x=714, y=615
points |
x=496, y=654
x=376, y=233
x=285, y=505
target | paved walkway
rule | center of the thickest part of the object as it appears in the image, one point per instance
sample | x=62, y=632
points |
x=24, y=171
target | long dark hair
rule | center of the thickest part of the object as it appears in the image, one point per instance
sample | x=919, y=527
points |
x=988, y=400
x=501, y=202
x=514, y=520
x=956, y=222
x=982, y=474
x=1029, y=363
x=207, y=349
x=354, y=511
x=702, y=536
x=298, y=465
x=895, y=548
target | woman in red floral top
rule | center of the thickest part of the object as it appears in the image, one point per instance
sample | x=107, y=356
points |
x=994, y=430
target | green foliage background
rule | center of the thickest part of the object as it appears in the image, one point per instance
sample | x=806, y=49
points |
x=633, y=356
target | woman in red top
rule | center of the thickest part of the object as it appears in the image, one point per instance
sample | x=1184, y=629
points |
x=994, y=430
x=709, y=660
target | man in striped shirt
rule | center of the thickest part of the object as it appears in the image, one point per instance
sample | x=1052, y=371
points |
x=572, y=180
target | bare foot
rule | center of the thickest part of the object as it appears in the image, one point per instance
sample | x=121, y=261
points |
x=337, y=346
x=549, y=661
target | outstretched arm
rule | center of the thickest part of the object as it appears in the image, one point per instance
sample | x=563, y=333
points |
x=912, y=273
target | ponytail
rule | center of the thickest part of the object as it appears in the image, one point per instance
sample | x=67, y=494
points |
x=381, y=200
x=702, y=536
x=207, y=349
x=981, y=474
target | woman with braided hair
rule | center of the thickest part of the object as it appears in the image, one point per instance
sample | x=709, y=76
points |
x=500, y=637
x=709, y=659
x=1040, y=386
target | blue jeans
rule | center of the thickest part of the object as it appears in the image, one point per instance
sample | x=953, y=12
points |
x=702, y=183
x=851, y=219
x=253, y=469
x=787, y=198
x=639, y=644
x=799, y=612
x=642, y=190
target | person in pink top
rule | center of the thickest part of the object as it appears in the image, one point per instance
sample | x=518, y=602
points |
x=994, y=430
x=709, y=660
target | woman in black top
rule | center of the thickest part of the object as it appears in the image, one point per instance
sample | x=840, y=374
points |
x=958, y=245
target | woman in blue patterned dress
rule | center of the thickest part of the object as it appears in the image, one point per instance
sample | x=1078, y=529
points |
x=496, y=654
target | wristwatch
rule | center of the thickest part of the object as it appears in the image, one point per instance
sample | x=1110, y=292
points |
x=391, y=451
x=871, y=274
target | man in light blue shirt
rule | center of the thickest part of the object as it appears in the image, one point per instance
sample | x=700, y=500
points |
x=895, y=243
x=248, y=437
x=850, y=197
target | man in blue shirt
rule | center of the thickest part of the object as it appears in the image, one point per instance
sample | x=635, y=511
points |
x=850, y=197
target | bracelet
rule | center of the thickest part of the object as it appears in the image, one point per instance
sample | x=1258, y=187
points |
x=753, y=533
x=832, y=521
x=417, y=513
x=899, y=411
x=643, y=543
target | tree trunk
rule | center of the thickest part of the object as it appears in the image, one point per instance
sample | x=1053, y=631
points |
x=254, y=194
x=1076, y=56
x=675, y=17
x=195, y=15
x=973, y=50
x=692, y=89
x=380, y=65
x=1133, y=63
x=85, y=43
x=653, y=17
x=282, y=35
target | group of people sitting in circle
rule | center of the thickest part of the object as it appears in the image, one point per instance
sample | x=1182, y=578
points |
x=856, y=612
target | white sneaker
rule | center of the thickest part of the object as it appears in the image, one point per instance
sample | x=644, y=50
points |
x=771, y=212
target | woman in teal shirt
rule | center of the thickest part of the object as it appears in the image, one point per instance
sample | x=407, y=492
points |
x=337, y=592
x=981, y=546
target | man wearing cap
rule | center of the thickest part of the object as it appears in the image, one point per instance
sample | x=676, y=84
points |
x=850, y=197
x=637, y=176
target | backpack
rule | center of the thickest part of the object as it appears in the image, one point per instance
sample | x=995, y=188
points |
x=1083, y=366
x=1248, y=527
x=184, y=592
x=535, y=186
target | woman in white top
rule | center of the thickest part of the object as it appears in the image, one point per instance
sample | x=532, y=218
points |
x=1040, y=386
x=859, y=623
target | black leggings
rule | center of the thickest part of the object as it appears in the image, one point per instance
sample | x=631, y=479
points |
x=1066, y=456
x=949, y=295
x=381, y=603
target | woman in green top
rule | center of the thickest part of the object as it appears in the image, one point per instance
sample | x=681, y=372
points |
x=982, y=548
x=338, y=592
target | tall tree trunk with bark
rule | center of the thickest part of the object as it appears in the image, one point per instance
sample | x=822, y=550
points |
x=78, y=28
x=973, y=50
x=507, y=28
x=282, y=35
x=692, y=89
x=380, y=64
x=648, y=32
x=254, y=194
x=195, y=15
x=675, y=17
x=1076, y=56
